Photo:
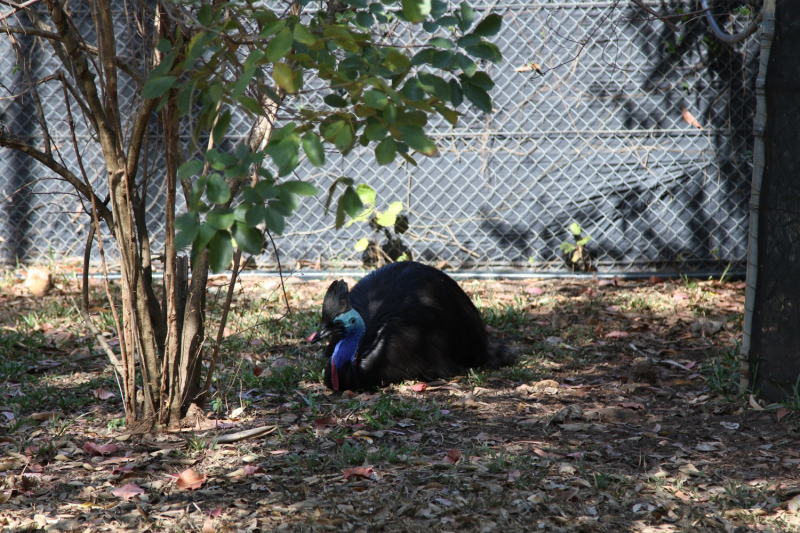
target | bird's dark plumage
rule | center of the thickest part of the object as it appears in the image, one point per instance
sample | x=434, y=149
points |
x=405, y=321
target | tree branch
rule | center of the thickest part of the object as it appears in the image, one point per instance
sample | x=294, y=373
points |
x=123, y=65
x=655, y=13
x=14, y=143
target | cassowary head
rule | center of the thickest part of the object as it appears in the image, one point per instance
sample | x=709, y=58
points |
x=345, y=327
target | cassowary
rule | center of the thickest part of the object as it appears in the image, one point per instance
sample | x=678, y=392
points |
x=405, y=321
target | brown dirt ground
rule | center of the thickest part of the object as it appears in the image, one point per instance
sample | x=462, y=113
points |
x=622, y=415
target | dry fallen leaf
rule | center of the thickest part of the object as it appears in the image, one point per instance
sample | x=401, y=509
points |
x=689, y=118
x=754, y=404
x=322, y=423
x=781, y=412
x=103, y=393
x=208, y=525
x=190, y=480
x=126, y=492
x=359, y=471
x=527, y=67
x=418, y=387
x=93, y=449
x=46, y=416
x=452, y=456
x=616, y=334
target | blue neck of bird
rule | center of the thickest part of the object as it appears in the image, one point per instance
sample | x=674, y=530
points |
x=347, y=348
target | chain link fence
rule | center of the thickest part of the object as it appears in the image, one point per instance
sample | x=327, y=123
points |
x=604, y=117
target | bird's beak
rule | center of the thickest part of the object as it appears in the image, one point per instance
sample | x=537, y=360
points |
x=321, y=334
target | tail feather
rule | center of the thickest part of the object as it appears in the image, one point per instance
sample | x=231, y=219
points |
x=500, y=354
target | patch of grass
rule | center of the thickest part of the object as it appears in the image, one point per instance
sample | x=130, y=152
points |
x=601, y=480
x=722, y=374
x=793, y=402
x=390, y=408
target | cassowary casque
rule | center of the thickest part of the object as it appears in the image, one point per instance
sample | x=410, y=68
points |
x=405, y=321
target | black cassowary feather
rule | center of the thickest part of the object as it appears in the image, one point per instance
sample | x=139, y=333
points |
x=418, y=324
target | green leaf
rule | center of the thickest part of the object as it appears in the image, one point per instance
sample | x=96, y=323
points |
x=416, y=10
x=423, y=56
x=220, y=218
x=164, y=46
x=205, y=15
x=376, y=99
x=284, y=77
x=334, y=100
x=435, y=85
x=438, y=8
x=366, y=194
x=414, y=137
x=386, y=151
x=250, y=194
x=274, y=220
x=312, y=145
x=361, y=244
x=185, y=98
x=187, y=221
x=456, y=93
x=489, y=26
x=466, y=65
x=364, y=19
x=272, y=28
x=469, y=40
x=481, y=79
x=190, y=168
x=389, y=217
x=302, y=188
x=441, y=42
x=584, y=241
x=255, y=215
x=221, y=127
x=375, y=132
x=157, y=86
x=217, y=190
x=243, y=81
x=240, y=212
x=575, y=229
x=478, y=96
x=285, y=152
x=247, y=239
x=413, y=89
x=467, y=16
x=350, y=202
x=280, y=45
x=289, y=198
x=249, y=103
x=215, y=91
x=390, y=114
x=303, y=36
x=485, y=50
x=186, y=237
x=442, y=59
x=220, y=251
x=344, y=140
x=207, y=232
x=396, y=61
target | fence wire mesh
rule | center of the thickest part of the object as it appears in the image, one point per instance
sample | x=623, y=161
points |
x=593, y=125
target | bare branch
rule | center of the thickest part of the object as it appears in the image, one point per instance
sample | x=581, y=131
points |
x=14, y=143
x=655, y=13
x=123, y=65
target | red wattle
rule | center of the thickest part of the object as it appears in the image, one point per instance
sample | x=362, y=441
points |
x=334, y=375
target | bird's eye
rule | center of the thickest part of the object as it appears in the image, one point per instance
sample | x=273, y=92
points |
x=352, y=321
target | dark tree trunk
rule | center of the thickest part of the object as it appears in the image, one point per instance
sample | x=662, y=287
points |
x=774, y=357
